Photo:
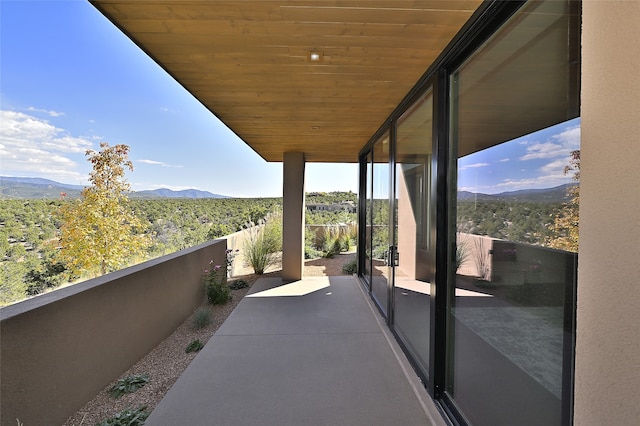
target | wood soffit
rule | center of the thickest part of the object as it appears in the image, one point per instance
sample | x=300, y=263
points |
x=248, y=62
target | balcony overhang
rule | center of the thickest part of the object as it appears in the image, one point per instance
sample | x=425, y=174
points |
x=253, y=63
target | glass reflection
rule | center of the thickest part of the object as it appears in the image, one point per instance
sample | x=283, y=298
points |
x=380, y=268
x=509, y=337
x=413, y=271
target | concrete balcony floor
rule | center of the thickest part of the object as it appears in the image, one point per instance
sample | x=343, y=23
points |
x=313, y=352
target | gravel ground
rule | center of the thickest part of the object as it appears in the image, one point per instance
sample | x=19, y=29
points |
x=167, y=361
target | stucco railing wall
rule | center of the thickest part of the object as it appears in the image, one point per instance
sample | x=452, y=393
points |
x=513, y=264
x=60, y=349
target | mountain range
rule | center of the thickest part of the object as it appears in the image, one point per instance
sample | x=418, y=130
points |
x=557, y=194
x=29, y=188
x=24, y=187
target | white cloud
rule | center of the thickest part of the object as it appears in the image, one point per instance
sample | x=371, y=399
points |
x=558, y=145
x=545, y=181
x=569, y=138
x=504, y=160
x=473, y=166
x=48, y=112
x=159, y=163
x=555, y=168
x=542, y=150
x=31, y=146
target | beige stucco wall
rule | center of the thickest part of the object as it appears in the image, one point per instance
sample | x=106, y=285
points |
x=406, y=230
x=607, y=389
x=236, y=241
x=59, y=349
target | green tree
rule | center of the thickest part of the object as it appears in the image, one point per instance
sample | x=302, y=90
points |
x=100, y=232
x=565, y=229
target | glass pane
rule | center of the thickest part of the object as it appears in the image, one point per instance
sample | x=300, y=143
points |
x=507, y=340
x=380, y=270
x=413, y=273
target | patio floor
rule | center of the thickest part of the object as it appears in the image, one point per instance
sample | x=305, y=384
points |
x=313, y=352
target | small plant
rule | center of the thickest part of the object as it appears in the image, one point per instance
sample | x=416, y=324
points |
x=128, y=417
x=350, y=268
x=346, y=242
x=311, y=253
x=238, y=284
x=482, y=258
x=230, y=257
x=215, y=285
x=129, y=384
x=462, y=253
x=332, y=247
x=263, y=243
x=332, y=240
x=194, y=346
x=201, y=319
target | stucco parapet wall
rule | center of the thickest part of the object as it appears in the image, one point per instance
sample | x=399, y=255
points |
x=59, y=349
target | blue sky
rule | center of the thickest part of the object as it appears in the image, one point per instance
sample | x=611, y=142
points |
x=533, y=161
x=69, y=80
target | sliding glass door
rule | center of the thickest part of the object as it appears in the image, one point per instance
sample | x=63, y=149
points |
x=381, y=247
x=510, y=303
x=412, y=230
x=470, y=229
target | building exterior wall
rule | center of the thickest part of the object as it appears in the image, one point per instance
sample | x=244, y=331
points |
x=58, y=350
x=607, y=381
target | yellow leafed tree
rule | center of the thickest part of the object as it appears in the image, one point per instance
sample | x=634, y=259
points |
x=567, y=224
x=100, y=232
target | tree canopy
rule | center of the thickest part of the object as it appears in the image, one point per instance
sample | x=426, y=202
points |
x=100, y=232
x=567, y=223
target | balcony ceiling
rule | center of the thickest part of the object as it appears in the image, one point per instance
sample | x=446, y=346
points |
x=248, y=62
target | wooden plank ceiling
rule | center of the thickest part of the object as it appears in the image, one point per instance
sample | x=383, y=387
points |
x=248, y=62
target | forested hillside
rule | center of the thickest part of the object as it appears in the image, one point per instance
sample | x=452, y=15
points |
x=522, y=222
x=29, y=230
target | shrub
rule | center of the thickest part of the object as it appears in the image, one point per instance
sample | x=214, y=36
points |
x=350, y=268
x=263, y=243
x=352, y=232
x=129, y=384
x=215, y=285
x=194, y=346
x=462, y=254
x=238, y=284
x=310, y=245
x=218, y=293
x=127, y=417
x=346, y=242
x=201, y=318
x=311, y=253
x=332, y=246
x=38, y=281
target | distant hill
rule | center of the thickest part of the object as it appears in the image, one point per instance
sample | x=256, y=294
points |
x=30, y=188
x=23, y=187
x=168, y=193
x=557, y=194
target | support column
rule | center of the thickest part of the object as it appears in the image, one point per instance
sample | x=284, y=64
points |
x=293, y=210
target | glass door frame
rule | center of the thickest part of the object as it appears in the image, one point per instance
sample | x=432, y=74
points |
x=367, y=160
x=427, y=85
